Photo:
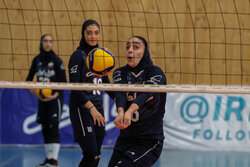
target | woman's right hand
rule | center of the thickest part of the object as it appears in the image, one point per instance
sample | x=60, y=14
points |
x=97, y=117
x=119, y=119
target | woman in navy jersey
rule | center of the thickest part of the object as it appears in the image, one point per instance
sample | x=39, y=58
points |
x=140, y=115
x=48, y=67
x=86, y=111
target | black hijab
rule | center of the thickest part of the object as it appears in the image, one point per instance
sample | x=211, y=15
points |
x=83, y=44
x=145, y=62
x=44, y=55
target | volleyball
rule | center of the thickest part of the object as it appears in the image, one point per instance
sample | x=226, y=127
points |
x=101, y=61
x=43, y=93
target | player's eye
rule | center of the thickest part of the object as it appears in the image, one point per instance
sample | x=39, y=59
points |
x=136, y=47
x=127, y=47
x=46, y=40
x=97, y=33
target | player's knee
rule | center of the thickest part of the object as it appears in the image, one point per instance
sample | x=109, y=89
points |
x=90, y=159
x=125, y=162
x=51, y=133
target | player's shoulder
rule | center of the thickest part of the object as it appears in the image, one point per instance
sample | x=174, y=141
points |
x=79, y=52
x=120, y=69
x=57, y=59
x=35, y=59
x=77, y=55
x=156, y=70
x=155, y=75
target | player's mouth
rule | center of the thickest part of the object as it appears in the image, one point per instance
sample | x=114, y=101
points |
x=130, y=58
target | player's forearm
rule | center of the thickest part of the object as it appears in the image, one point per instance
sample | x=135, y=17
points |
x=120, y=110
x=89, y=105
x=120, y=99
x=133, y=108
x=142, y=98
x=56, y=94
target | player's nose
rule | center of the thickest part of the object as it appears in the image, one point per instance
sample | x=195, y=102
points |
x=130, y=50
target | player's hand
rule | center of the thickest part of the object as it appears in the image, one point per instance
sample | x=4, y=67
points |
x=119, y=119
x=127, y=118
x=32, y=91
x=97, y=117
x=52, y=97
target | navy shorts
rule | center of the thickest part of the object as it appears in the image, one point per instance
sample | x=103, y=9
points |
x=49, y=112
x=135, y=153
x=88, y=135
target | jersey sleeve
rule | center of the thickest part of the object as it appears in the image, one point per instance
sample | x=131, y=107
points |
x=60, y=71
x=76, y=70
x=60, y=74
x=110, y=93
x=32, y=70
x=121, y=99
x=156, y=77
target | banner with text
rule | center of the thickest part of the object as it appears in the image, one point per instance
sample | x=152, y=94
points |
x=207, y=122
x=18, y=125
x=192, y=121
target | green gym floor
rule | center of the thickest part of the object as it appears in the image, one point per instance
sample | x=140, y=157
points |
x=69, y=157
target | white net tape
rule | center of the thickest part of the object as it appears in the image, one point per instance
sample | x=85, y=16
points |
x=128, y=87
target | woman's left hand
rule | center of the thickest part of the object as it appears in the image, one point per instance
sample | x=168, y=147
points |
x=127, y=118
x=129, y=115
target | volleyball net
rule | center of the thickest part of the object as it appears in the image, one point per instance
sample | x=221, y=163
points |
x=128, y=87
x=193, y=42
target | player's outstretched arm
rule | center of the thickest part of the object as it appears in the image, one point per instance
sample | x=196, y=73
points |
x=129, y=114
x=119, y=118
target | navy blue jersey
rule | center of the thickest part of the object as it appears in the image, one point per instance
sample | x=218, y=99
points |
x=147, y=122
x=51, y=70
x=48, y=69
x=79, y=73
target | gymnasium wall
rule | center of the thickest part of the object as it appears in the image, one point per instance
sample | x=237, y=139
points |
x=193, y=41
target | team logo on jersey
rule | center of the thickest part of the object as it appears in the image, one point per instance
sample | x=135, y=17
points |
x=46, y=74
x=55, y=115
x=117, y=76
x=62, y=67
x=89, y=74
x=50, y=64
x=89, y=128
x=155, y=79
x=73, y=69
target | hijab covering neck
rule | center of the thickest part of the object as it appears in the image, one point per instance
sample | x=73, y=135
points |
x=83, y=44
x=145, y=62
x=44, y=55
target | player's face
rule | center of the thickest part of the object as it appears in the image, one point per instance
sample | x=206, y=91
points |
x=134, y=50
x=47, y=43
x=92, y=34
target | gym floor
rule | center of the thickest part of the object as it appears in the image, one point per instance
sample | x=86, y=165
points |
x=69, y=157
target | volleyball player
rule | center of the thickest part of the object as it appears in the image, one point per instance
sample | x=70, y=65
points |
x=140, y=115
x=86, y=111
x=48, y=67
